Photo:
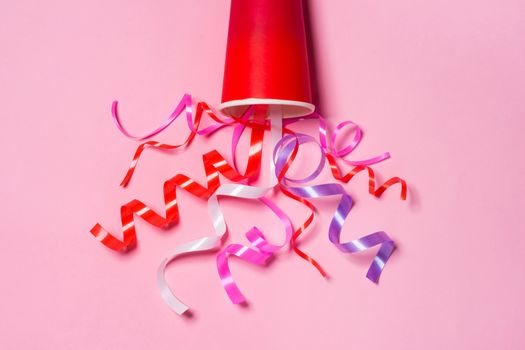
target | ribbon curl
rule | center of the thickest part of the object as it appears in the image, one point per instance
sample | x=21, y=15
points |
x=211, y=243
x=184, y=105
x=256, y=238
x=214, y=164
x=284, y=153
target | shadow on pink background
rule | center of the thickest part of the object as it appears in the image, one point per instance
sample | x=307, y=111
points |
x=439, y=84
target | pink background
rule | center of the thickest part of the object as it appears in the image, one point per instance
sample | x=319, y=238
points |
x=439, y=84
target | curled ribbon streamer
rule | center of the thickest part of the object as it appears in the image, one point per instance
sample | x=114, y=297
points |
x=280, y=174
x=256, y=238
x=185, y=104
x=284, y=154
x=330, y=146
x=209, y=243
x=331, y=153
x=240, y=124
x=214, y=163
x=265, y=249
x=377, y=192
x=260, y=257
x=276, y=133
x=285, y=150
x=276, y=129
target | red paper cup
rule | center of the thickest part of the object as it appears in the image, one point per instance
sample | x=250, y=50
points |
x=266, y=58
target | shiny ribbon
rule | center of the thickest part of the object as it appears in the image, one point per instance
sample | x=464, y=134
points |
x=185, y=105
x=284, y=155
x=285, y=151
x=210, y=243
x=193, y=124
x=214, y=164
x=207, y=243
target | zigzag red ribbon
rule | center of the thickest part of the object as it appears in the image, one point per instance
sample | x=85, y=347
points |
x=214, y=164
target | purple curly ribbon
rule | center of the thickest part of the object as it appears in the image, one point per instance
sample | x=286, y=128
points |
x=282, y=154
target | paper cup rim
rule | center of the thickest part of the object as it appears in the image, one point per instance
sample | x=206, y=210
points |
x=290, y=108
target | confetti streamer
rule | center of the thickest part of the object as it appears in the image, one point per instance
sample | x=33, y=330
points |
x=193, y=124
x=210, y=243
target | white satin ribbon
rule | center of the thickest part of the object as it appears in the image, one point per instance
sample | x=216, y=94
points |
x=211, y=243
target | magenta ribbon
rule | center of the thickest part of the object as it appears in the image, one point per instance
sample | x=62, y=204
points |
x=254, y=236
x=184, y=105
x=260, y=257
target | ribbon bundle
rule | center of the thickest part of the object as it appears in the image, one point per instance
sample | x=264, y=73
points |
x=285, y=150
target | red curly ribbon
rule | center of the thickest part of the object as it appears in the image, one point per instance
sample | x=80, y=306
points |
x=377, y=192
x=214, y=164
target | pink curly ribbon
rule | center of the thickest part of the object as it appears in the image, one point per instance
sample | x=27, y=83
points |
x=212, y=243
x=256, y=238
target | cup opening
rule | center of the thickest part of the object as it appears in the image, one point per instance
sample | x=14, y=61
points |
x=290, y=109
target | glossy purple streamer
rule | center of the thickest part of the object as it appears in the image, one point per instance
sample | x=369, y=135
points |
x=282, y=154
